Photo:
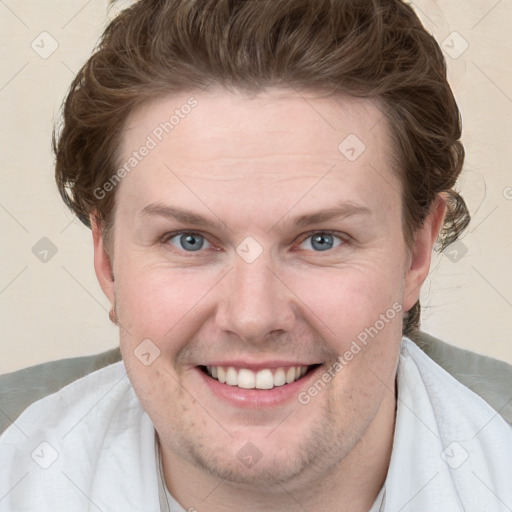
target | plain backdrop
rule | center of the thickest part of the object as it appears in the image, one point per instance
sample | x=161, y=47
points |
x=51, y=305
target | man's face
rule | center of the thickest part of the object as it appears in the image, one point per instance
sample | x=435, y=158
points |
x=258, y=236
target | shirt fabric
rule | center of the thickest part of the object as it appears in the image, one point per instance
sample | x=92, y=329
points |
x=90, y=446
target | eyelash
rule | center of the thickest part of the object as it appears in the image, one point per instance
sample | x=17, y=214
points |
x=344, y=239
x=341, y=236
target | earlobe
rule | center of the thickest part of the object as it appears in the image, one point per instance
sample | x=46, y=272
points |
x=102, y=261
x=421, y=251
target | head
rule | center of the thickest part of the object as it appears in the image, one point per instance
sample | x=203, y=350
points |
x=299, y=166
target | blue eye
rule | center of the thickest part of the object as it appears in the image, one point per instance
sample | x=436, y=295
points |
x=322, y=241
x=189, y=242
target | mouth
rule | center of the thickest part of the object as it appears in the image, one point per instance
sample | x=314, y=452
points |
x=261, y=379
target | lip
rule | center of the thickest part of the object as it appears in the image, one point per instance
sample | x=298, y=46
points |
x=258, y=398
x=271, y=365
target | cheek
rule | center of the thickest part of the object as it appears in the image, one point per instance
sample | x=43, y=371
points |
x=152, y=300
x=346, y=301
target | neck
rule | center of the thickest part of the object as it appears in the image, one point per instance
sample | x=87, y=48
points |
x=350, y=485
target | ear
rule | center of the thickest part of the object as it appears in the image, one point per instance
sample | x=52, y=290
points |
x=421, y=251
x=102, y=261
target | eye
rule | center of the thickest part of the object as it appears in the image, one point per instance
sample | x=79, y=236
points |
x=188, y=241
x=321, y=241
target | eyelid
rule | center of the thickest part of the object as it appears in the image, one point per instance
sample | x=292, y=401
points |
x=165, y=239
x=343, y=237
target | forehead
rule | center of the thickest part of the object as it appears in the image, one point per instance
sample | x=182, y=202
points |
x=288, y=113
x=264, y=147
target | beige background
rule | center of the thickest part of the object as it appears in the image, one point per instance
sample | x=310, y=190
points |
x=55, y=309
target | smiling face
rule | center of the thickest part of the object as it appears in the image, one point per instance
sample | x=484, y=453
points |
x=250, y=245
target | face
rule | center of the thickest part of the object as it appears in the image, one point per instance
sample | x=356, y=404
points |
x=256, y=243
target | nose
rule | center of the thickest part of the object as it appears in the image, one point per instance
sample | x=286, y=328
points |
x=256, y=304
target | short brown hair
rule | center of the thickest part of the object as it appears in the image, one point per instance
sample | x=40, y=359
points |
x=370, y=49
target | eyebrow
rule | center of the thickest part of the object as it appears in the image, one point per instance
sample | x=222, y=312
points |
x=346, y=209
x=343, y=210
x=182, y=215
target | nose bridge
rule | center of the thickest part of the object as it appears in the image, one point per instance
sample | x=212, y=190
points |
x=257, y=303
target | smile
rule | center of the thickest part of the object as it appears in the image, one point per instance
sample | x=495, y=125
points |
x=265, y=378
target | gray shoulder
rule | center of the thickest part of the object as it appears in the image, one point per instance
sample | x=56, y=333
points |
x=20, y=389
x=487, y=377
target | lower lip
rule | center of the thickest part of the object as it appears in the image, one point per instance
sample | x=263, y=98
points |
x=258, y=398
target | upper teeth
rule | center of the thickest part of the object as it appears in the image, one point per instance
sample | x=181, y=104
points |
x=262, y=379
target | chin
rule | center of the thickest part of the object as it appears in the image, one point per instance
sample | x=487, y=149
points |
x=270, y=460
x=268, y=471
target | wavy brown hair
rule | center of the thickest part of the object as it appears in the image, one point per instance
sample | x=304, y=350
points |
x=369, y=49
